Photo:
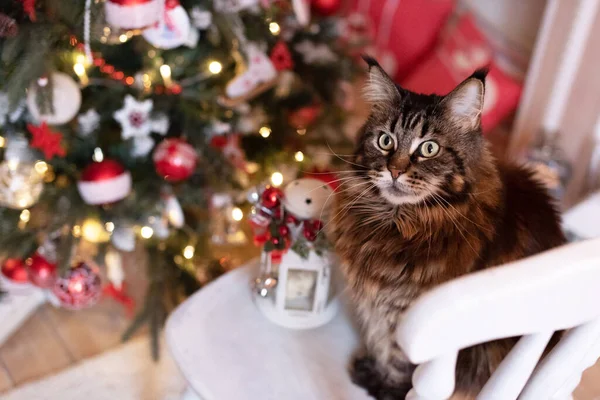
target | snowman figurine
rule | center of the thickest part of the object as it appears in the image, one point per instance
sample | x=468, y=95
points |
x=307, y=198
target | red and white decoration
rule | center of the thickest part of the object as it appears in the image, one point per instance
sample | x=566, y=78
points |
x=117, y=288
x=79, y=288
x=175, y=159
x=134, y=117
x=132, y=14
x=173, y=28
x=260, y=71
x=104, y=182
x=66, y=99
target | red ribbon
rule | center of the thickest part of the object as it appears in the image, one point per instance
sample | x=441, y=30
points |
x=120, y=296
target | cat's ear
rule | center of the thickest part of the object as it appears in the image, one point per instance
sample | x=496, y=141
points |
x=379, y=88
x=464, y=105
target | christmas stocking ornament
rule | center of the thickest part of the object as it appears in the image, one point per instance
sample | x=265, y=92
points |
x=259, y=76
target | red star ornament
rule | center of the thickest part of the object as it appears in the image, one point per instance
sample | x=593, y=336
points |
x=281, y=57
x=46, y=140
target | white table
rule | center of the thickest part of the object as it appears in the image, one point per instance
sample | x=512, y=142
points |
x=227, y=350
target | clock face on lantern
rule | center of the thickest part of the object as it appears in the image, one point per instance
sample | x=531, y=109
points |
x=300, y=289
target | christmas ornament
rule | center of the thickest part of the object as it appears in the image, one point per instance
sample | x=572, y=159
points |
x=202, y=19
x=41, y=272
x=305, y=116
x=326, y=8
x=79, y=288
x=315, y=53
x=173, y=210
x=302, y=11
x=281, y=56
x=62, y=95
x=306, y=198
x=116, y=287
x=173, y=28
x=20, y=183
x=175, y=159
x=311, y=228
x=142, y=146
x=88, y=122
x=123, y=238
x=134, y=117
x=14, y=269
x=104, y=182
x=8, y=26
x=259, y=76
x=233, y=6
x=271, y=197
x=29, y=8
x=48, y=141
x=132, y=14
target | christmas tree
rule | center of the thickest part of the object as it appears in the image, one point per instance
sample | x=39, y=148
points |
x=151, y=121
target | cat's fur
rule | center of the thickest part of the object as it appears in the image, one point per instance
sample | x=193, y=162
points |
x=443, y=217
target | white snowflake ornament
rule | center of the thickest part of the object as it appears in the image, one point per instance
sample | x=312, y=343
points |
x=134, y=117
x=88, y=122
x=201, y=19
x=315, y=53
x=141, y=146
x=160, y=124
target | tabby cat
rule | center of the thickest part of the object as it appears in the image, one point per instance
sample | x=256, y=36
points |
x=425, y=202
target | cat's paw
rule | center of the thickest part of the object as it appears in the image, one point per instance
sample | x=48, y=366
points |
x=363, y=373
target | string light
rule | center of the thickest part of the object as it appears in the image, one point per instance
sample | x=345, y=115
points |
x=146, y=232
x=110, y=227
x=2, y=142
x=188, y=252
x=274, y=28
x=25, y=215
x=98, y=155
x=277, y=179
x=123, y=38
x=301, y=131
x=265, y=131
x=76, y=231
x=299, y=156
x=41, y=167
x=237, y=214
x=79, y=69
x=93, y=231
x=215, y=67
x=165, y=72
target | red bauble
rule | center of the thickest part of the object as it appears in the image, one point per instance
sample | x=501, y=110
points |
x=305, y=116
x=271, y=197
x=175, y=159
x=80, y=288
x=325, y=7
x=104, y=182
x=311, y=229
x=284, y=230
x=42, y=273
x=14, y=269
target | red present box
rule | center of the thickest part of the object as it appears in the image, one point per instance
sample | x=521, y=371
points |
x=462, y=50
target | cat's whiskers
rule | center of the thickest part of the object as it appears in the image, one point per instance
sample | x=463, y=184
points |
x=349, y=206
x=455, y=222
x=346, y=161
x=338, y=192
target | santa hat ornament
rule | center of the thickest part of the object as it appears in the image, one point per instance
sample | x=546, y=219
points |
x=132, y=14
x=104, y=182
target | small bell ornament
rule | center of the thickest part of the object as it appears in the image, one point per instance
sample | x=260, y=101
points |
x=132, y=14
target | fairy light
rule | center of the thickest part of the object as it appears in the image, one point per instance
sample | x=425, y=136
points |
x=93, y=231
x=123, y=38
x=299, y=156
x=109, y=226
x=41, y=167
x=79, y=69
x=165, y=72
x=215, y=67
x=13, y=164
x=277, y=179
x=265, y=131
x=274, y=28
x=98, y=155
x=146, y=232
x=301, y=131
x=2, y=142
x=188, y=252
x=76, y=231
x=237, y=214
x=25, y=215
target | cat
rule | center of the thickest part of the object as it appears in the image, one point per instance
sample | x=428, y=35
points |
x=424, y=202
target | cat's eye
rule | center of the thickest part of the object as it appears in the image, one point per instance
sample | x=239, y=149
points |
x=385, y=141
x=429, y=149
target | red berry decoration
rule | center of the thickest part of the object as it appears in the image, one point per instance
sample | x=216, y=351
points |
x=175, y=159
x=281, y=57
x=326, y=7
x=275, y=241
x=80, y=288
x=311, y=229
x=284, y=230
x=14, y=269
x=42, y=273
x=104, y=182
x=271, y=197
x=290, y=219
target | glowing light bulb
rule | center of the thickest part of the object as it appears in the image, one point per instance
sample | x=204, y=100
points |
x=93, y=231
x=301, y=131
x=98, y=155
x=123, y=38
x=80, y=59
x=237, y=214
x=215, y=67
x=274, y=28
x=165, y=72
x=265, y=131
x=277, y=179
x=25, y=215
x=188, y=252
x=146, y=232
x=2, y=142
x=79, y=69
x=41, y=167
x=76, y=231
x=299, y=156
x=110, y=227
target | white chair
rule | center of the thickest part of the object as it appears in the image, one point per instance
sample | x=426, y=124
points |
x=228, y=351
x=534, y=297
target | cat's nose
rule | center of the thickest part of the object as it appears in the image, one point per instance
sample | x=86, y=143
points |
x=395, y=172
